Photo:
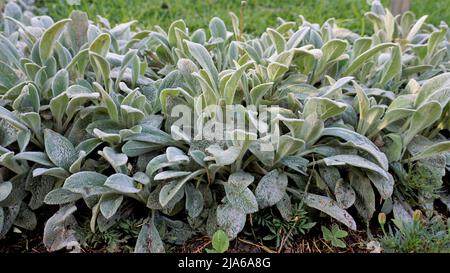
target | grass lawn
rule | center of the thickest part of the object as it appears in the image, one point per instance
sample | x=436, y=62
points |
x=259, y=13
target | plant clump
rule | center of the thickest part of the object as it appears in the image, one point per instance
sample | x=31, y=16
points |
x=205, y=130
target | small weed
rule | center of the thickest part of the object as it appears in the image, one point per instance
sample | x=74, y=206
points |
x=334, y=236
x=119, y=238
x=281, y=230
x=430, y=235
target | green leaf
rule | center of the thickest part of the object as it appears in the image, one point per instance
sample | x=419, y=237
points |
x=61, y=196
x=117, y=160
x=170, y=93
x=59, y=149
x=202, y=56
x=58, y=106
x=5, y=190
x=122, y=183
x=132, y=115
x=149, y=240
x=86, y=183
x=218, y=28
x=422, y=118
x=101, y=44
x=79, y=62
x=288, y=145
x=141, y=178
x=329, y=91
x=129, y=59
x=37, y=157
x=223, y=157
x=172, y=37
x=136, y=148
x=54, y=172
x=170, y=190
x=435, y=38
x=394, y=147
x=338, y=243
x=6, y=160
x=271, y=188
x=241, y=179
x=220, y=241
x=363, y=109
x=258, y=92
x=344, y=193
x=364, y=57
x=26, y=218
x=76, y=165
x=394, y=67
x=59, y=230
x=152, y=135
x=394, y=114
x=60, y=82
x=170, y=175
x=432, y=150
x=324, y=107
x=111, y=138
x=49, y=39
x=194, y=200
x=33, y=121
x=110, y=105
x=263, y=150
x=109, y=204
x=332, y=51
x=23, y=138
x=276, y=70
x=360, y=142
x=241, y=198
x=232, y=83
x=431, y=86
x=327, y=235
x=155, y=164
x=365, y=196
x=284, y=206
x=28, y=99
x=198, y=157
x=11, y=118
x=311, y=130
x=88, y=145
x=277, y=40
x=297, y=163
x=415, y=29
x=8, y=77
x=230, y=219
x=331, y=208
x=382, y=180
x=176, y=155
x=102, y=68
x=77, y=29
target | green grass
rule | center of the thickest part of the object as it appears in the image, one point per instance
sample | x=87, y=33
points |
x=259, y=14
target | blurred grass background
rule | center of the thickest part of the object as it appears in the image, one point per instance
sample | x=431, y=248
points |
x=259, y=14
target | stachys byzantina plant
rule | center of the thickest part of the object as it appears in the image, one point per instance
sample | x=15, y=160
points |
x=205, y=128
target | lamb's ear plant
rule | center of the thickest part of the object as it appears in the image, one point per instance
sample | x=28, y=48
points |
x=104, y=117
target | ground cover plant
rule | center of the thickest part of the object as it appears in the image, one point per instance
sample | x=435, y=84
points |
x=152, y=137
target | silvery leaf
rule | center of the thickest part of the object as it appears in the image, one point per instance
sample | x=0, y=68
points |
x=230, y=219
x=331, y=208
x=271, y=188
x=121, y=183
